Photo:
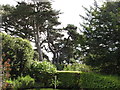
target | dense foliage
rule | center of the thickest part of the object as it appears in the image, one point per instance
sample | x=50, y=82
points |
x=69, y=52
x=92, y=80
x=20, y=53
x=36, y=22
x=77, y=67
x=42, y=72
x=101, y=35
x=22, y=82
x=30, y=21
x=71, y=80
x=68, y=79
x=97, y=45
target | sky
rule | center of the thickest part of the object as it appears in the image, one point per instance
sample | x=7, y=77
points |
x=71, y=9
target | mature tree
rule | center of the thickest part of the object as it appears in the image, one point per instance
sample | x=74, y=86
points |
x=16, y=20
x=70, y=51
x=54, y=44
x=101, y=31
x=30, y=21
x=63, y=44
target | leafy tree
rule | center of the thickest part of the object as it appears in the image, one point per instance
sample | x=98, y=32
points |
x=20, y=53
x=64, y=45
x=70, y=50
x=101, y=31
x=54, y=44
x=30, y=21
x=16, y=20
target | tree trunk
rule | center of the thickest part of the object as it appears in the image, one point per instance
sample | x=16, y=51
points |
x=37, y=41
x=39, y=47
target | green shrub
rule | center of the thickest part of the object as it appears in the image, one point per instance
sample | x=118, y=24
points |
x=22, y=82
x=59, y=66
x=43, y=67
x=77, y=80
x=19, y=51
x=77, y=67
x=68, y=79
x=92, y=80
x=43, y=72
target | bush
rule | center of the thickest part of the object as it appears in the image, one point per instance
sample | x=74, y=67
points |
x=71, y=80
x=43, y=67
x=19, y=51
x=85, y=80
x=43, y=72
x=77, y=67
x=92, y=80
x=59, y=66
x=68, y=79
x=22, y=82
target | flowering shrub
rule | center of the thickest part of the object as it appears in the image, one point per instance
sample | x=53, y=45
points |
x=6, y=75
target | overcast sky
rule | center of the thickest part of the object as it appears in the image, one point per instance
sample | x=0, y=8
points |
x=71, y=9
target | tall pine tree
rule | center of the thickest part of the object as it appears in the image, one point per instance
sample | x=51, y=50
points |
x=101, y=31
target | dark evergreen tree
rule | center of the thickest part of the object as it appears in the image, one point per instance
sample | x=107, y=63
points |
x=64, y=44
x=101, y=31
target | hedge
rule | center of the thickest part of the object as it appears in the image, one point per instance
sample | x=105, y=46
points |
x=80, y=80
x=93, y=80
x=68, y=79
x=76, y=79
